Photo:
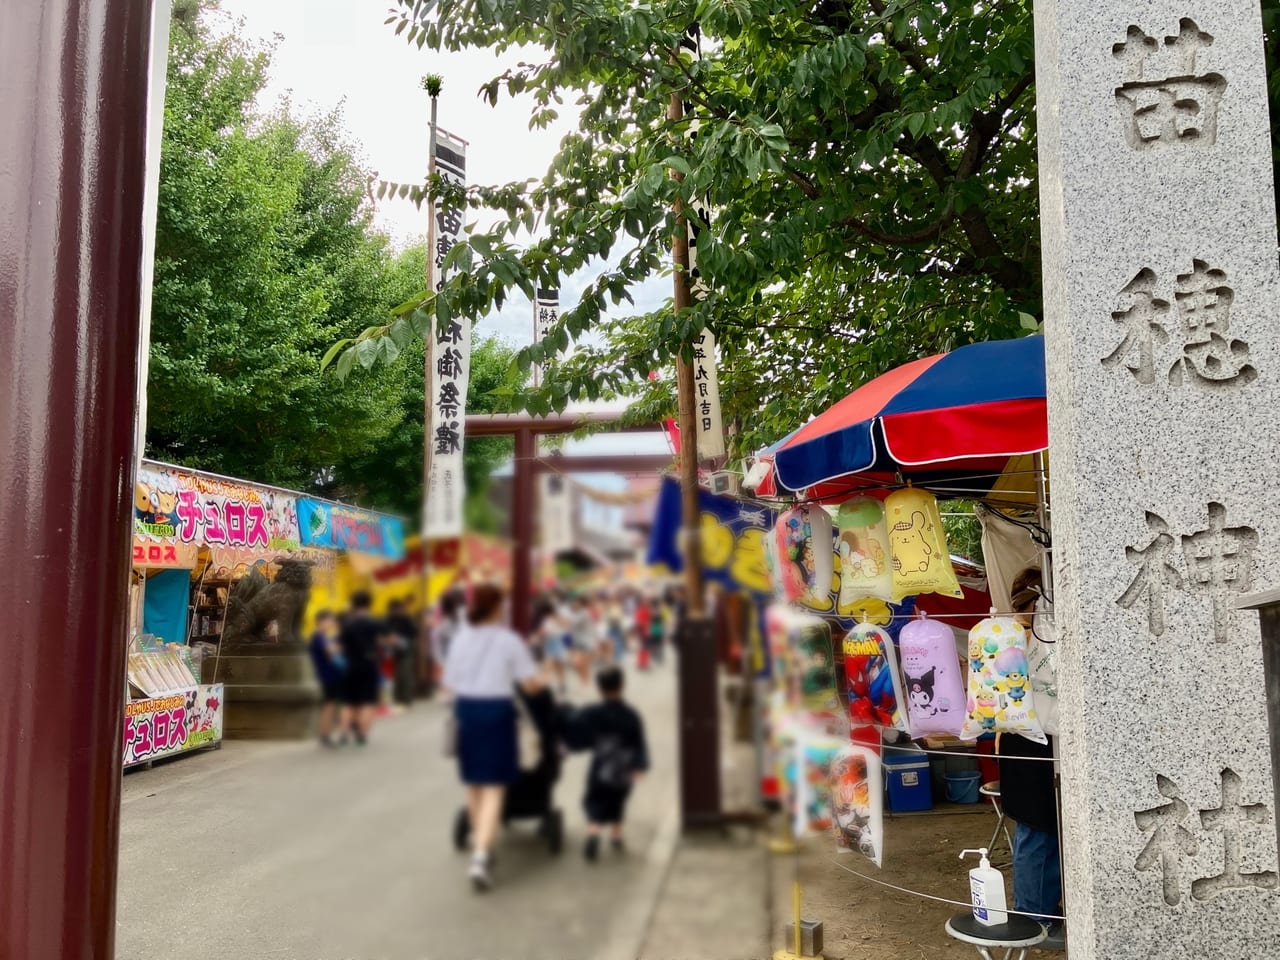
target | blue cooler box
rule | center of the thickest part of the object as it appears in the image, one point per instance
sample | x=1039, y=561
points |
x=910, y=786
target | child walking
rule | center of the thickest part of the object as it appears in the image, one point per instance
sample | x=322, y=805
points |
x=619, y=757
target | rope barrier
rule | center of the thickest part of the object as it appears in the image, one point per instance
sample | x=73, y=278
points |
x=928, y=896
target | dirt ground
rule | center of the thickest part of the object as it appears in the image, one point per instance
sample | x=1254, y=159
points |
x=865, y=921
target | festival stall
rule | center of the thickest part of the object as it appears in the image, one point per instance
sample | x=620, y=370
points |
x=220, y=564
x=859, y=557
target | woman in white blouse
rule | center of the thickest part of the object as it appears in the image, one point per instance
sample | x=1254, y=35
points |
x=484, y=664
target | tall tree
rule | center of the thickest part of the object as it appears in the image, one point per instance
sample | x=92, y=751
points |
x=389, y=477
x=870, y=164
x=264, y=254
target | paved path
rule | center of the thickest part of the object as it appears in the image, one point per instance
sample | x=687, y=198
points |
x=290, y=852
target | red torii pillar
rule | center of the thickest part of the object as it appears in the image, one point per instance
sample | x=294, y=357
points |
x=73, y=96
x=526, y=429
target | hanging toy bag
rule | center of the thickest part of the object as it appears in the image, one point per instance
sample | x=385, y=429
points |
x=933, y=682
x=857, y=802
x=874, y=689
x=999, y=682
x=863, y=545
x=918, y=550
x=803, y=543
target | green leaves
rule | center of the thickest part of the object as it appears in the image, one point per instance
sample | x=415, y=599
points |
x=869, y=166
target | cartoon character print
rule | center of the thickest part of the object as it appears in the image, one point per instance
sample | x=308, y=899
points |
x=1011, y=672
x=975, y=653
x=165, y=498
x=145, y=501
x=911, y=548
x=983, y=709
x=920, y=693
x=861, y=552
x=799, y=547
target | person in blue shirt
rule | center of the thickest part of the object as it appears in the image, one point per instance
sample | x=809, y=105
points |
x=330, y=666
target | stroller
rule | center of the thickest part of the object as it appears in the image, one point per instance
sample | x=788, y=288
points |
x=531, y=796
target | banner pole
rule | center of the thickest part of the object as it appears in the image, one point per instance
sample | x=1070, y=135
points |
x=432, y=86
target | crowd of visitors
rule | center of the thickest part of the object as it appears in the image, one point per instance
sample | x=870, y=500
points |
x=494, y=677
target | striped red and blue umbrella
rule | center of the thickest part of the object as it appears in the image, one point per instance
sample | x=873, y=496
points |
x=952, y=423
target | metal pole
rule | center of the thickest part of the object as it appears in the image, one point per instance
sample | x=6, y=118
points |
x=73, y=158
x=699, y=703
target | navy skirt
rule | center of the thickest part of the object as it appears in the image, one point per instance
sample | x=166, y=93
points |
x=488, y=754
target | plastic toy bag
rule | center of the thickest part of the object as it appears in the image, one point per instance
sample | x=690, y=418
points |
x=918, y=550
x=803, y=661
x=804, y=553
x=999, y=682
x=863, y=545
x=857, y=802
x=1042, y=655
x=875, y=692
x=816, y=667
x=814, y=755
x=933, y=682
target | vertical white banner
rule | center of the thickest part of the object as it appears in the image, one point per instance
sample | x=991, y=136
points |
x=706, y=397
x=449, y=352
x=546, y=314
x=157, y=84
x=555, y=514
x=706, y=382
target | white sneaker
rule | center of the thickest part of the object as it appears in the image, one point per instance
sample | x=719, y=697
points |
x=481, y=879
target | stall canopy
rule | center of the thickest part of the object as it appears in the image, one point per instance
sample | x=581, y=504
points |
x=964, y=423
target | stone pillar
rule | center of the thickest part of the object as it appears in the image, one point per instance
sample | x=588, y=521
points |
x=73, y=96
x=1161, y=303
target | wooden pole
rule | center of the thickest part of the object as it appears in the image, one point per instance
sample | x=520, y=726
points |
x=687, y=403
x=698, y=699
x=523, y=505
x=428, y=381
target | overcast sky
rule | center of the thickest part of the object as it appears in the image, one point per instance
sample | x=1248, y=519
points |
x=331, y=53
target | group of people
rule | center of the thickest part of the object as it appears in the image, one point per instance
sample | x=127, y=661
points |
x=486, y=667
x=583, y=632
x=357, y=656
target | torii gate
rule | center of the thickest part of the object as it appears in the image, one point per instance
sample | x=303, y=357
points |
x=526, y=429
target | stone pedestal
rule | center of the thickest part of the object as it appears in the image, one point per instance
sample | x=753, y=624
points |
x=269, y=696
x=1161, y=306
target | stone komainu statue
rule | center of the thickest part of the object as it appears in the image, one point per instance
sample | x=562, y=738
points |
x=256, y=602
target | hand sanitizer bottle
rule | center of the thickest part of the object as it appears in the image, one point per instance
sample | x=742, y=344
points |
x=986, y=889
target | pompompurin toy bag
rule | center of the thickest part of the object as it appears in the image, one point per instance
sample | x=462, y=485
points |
x=918, y=550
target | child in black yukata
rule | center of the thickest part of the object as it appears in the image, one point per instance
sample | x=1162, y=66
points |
x=619, y=757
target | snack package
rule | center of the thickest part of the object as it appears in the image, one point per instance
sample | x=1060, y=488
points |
x=933, y=682
x=804, y=554
x=918, y=550
x=863, y=545
x=999, y=682
x=875, y=693
x=857, y=802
